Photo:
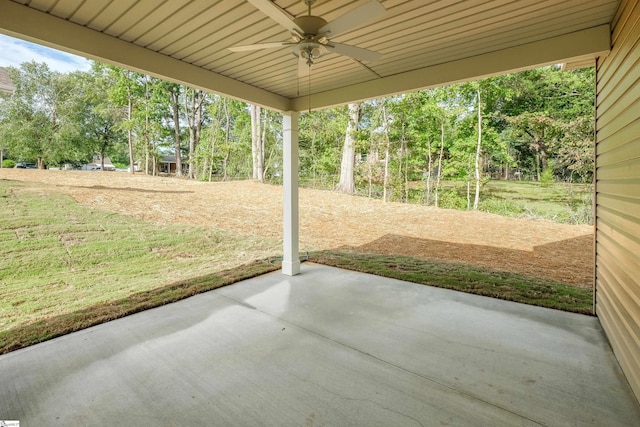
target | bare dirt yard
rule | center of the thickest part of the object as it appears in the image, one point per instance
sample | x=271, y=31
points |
x=335, y=221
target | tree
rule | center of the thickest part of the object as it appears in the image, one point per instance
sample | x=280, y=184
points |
x=387, y=152
x=257, y=142
x=126, y=94
x=96, y=115
x=36, y=120
x=321, y=139
x=476, y=199
x=194, y=100
x=346, y=183
x=539, y=131
x=174, y=89
x=541, y=104
x=213, y=136
x=575, y=152
x=427, y=114
x=152, y=108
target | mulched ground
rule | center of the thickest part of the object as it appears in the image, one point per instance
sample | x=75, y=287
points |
x=330, y=220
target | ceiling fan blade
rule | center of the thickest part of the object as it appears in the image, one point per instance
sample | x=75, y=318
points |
x=259, y=46
x=303, y=67
x=279, y=15
x=354, y=52
x=354, y=19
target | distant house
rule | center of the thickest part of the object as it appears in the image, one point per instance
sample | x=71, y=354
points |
x=96, y=164
x=6, y=84
x=169, y=164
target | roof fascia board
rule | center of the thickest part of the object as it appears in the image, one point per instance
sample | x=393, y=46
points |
x=23, y=22
x=593, y=42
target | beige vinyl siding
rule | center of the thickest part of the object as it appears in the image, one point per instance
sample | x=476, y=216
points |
x=618, y=191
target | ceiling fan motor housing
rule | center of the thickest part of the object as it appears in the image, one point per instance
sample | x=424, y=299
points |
x=310, y=25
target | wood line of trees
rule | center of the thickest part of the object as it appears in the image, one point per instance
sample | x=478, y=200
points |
x=530, y=126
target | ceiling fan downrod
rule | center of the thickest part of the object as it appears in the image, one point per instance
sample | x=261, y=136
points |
x=309, y=3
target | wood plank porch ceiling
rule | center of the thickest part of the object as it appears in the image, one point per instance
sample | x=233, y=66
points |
x=414, y=36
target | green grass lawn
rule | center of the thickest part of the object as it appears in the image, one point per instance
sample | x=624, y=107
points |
x=559, y=202
x=465, y=278
x=65, y=266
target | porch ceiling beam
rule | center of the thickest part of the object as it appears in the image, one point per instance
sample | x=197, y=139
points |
x=22, y=22
x=593, y=42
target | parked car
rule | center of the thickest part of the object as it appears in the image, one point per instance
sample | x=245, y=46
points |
x=25, y=165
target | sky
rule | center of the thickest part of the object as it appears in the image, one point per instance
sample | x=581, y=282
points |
x=13, y=52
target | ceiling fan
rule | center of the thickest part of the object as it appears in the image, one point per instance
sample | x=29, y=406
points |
x=311, y=35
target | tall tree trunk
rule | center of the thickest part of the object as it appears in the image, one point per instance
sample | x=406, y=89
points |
x=257, y=144
x=213, y=151
x=198, y=121
x=427, y=194
x=314, y=161
x=476, y=199
x=129, y=130
x=194, y=119
x=175, y=105
x=225, y=162
x=403, y=176
x=346, y=183
x=262, y=166
x=440, y=159
x=147, y=154
x=370, y=170
x=385, y=180
x=406, y=169
x=398, y=181
x=387, y=146
x=227, y=138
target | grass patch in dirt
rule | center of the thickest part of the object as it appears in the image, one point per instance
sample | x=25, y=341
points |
x=464, y=278
x=66, y=266
x=564, y=203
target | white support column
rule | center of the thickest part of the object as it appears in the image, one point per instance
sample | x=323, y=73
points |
x=291, y=257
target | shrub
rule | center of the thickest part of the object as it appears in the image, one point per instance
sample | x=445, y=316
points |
x=451, y=199
x=8, y=163
x=546, y=177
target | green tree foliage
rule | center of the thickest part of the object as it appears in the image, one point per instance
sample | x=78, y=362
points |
x=550, y=113
x=96, y=116
x=526, y=124
x=321, y=137
x=38, y=120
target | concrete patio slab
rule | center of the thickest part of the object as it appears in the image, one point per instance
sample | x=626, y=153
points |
x=326, y=347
